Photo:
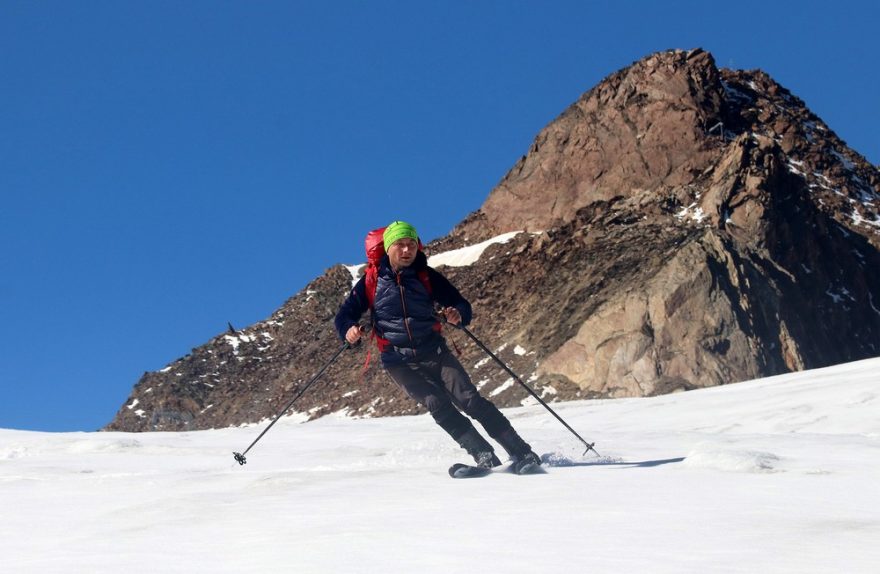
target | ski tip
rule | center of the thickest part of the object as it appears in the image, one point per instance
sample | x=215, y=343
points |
x=455, y=468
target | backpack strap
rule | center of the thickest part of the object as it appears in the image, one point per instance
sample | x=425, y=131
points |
x=371, y=281
x=426, y=281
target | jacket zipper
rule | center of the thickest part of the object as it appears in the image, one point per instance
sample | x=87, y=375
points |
x=403, y=304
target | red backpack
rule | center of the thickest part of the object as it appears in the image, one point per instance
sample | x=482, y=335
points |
x=375, y=248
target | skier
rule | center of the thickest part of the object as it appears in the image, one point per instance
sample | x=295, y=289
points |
x=414, y=352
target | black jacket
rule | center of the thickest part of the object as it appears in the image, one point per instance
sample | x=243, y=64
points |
x=403, y=310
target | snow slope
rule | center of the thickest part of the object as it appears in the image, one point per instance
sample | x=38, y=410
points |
x=775, y=475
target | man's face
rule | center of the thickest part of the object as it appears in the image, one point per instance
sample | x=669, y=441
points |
x=403, y=252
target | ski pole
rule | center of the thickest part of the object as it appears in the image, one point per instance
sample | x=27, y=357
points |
x=473, y=337
x=239, y=456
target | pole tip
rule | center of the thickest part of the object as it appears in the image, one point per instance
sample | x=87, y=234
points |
x=239, y=458
x=590, y=446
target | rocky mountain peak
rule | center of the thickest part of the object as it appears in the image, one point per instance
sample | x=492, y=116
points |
x=654, y=131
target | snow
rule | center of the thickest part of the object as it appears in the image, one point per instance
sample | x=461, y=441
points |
x=735, y=94
x=692, y=212
x=237, y=340
x=468, y=255
x=502, y=387
x=796, y=167
x=847, y=164
x=857, y=219
x=355, y=271
x=773, y=475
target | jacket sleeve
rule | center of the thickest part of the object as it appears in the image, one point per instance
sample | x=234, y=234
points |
x=352, y=308
x=447, y=295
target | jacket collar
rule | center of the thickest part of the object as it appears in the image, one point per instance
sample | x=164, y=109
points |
x=419, y=264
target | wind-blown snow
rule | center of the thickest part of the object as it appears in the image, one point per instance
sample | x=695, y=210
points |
x=775, y=475
x=468, y=255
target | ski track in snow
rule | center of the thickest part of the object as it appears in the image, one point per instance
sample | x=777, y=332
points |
x=774, y=475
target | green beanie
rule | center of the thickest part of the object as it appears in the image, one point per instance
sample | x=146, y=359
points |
x=398, y=230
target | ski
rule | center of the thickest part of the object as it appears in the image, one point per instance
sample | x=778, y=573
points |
x=526, y=467
x=461, y=470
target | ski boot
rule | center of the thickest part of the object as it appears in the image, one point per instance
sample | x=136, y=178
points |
x=524, y=459
x=479, y=448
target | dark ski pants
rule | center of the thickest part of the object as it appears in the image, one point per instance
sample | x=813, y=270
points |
x=440, y=384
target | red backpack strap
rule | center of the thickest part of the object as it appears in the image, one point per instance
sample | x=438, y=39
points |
x=366, y=363
x=375, y=250
x=371, y=280
x=426, y=281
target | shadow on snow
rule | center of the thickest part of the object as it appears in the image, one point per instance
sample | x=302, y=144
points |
x=613, y=462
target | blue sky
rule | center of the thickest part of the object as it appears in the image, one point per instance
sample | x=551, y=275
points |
x=166, y=167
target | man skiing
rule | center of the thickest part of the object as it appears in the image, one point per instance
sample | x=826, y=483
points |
x=401, y=297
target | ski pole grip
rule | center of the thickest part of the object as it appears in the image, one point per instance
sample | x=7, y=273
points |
x=441, y=316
